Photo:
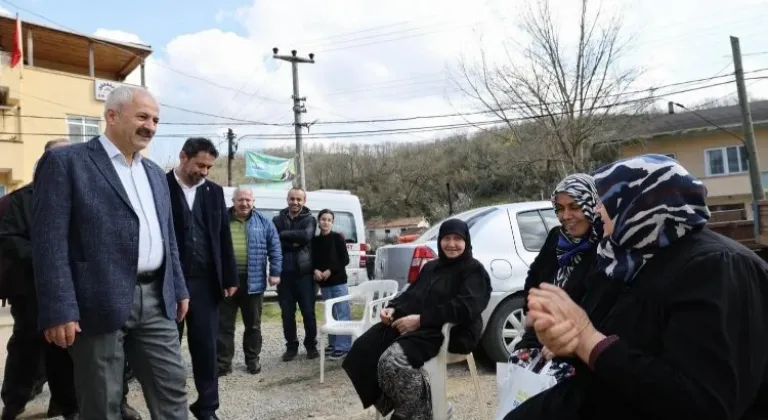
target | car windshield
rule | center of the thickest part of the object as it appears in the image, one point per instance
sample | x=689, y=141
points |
x=470, y=217
x=344, y=223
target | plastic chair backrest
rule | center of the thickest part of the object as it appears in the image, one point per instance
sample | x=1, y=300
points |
x=377, y=294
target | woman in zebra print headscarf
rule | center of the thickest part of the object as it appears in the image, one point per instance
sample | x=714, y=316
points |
x=674, y=323
x=567, y=256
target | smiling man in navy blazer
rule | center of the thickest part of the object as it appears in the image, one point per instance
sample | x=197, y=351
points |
x=107, y=273
x=207, y=256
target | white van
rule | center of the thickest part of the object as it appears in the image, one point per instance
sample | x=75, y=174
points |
x=349, y=221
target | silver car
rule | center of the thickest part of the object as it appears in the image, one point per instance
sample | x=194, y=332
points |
x=505, y=238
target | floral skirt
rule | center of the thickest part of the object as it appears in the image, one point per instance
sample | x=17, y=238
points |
x=405, y=389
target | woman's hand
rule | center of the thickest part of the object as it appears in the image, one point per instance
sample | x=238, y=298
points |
x=326, y=274
x=386, y=315
x=561, y=325
x=318, y=275
x=408, y=323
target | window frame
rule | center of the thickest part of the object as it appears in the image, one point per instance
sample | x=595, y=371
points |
x=724, y=154
x=84, y=121
x=543, y=224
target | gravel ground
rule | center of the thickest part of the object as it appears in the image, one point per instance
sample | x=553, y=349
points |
x=292, y=390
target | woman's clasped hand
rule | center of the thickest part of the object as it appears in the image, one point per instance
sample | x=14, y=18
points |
x=561, y=325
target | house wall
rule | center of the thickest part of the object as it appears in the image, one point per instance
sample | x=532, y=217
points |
x=730, y=189
x=51, y=96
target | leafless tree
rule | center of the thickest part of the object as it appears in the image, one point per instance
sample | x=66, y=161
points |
x=564, y=88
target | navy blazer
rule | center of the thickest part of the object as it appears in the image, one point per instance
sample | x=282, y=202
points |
x=86, y=240
x=217, y=219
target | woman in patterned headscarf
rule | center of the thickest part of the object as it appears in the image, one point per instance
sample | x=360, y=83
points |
x=566, y=257
x=674, y=325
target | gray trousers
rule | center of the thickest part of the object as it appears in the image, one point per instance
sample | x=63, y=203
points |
x=150, y=342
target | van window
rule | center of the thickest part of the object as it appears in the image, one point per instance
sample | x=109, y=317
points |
x=344, y=223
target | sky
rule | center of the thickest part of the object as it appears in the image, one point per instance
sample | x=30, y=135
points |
x=378, y=60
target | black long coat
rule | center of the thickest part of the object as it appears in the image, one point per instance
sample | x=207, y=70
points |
x=456, y=294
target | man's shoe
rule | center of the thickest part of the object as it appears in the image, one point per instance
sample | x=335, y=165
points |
x=128, y=412
x=312, y=353
x=328, y=349
x=207, y=416
x=254, y=369
x=224, y=371
x=10, y=413
x=290, y=355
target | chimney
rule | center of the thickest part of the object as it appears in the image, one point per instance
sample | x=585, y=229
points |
x=671, y=106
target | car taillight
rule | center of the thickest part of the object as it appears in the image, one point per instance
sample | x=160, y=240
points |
x=421, y=255
x=363, y=257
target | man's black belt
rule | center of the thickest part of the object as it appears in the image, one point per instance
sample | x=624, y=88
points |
x=148, y=277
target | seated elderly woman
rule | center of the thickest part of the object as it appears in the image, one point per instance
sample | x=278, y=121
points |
x=674, y=325
x=385, y=363
x=566, y=259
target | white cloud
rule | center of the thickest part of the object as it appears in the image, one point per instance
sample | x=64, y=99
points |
x=5, y=12
x=117, y=35
x=388, y=59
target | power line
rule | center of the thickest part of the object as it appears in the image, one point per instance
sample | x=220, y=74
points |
x=434, y=128
x=237, y=121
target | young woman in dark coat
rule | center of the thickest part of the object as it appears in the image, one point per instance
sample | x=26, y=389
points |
x=565, y=260
x=675, y=324
x=385, y=363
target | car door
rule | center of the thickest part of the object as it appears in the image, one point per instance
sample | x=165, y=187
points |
x=531, y=232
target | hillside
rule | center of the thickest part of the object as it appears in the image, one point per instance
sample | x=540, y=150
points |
x=409, y=179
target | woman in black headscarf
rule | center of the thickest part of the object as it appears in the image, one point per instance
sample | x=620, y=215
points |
x=385, y=363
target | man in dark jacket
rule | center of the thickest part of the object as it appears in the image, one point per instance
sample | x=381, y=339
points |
x=27, y=348
x=201, y=222
x=296, y=226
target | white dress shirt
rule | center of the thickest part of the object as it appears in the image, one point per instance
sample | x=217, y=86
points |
x=189, y=192
x=139, y=191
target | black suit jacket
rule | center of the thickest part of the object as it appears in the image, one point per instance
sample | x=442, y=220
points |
x=217, y=220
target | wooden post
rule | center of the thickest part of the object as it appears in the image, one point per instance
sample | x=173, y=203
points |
x=30, y=49
x=91, y=61
x=143, y=76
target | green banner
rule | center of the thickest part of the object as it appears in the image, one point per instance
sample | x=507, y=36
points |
x=269, y=168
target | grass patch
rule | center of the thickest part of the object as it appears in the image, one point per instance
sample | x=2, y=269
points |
x=271, y=312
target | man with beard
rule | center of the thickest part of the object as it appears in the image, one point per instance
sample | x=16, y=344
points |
x=106, y=268
x=296, y=226
x=201, y=222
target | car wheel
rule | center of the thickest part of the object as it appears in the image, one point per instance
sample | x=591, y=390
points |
x=505, y=329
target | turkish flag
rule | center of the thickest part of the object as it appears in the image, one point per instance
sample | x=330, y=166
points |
x=16, y=56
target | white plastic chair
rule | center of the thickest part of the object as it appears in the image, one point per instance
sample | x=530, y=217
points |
x=377, y=294
x=437, y=370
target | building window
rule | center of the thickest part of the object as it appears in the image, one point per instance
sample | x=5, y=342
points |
x=82, y=129
x=2, y=190
x=725, y=160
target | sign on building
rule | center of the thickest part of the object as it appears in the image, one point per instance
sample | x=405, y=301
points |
x=102, y=88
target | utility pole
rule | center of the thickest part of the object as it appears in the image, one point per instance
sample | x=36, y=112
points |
x=758, y=194
x=298, y=107
x=450, y=198
x=231, y=147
